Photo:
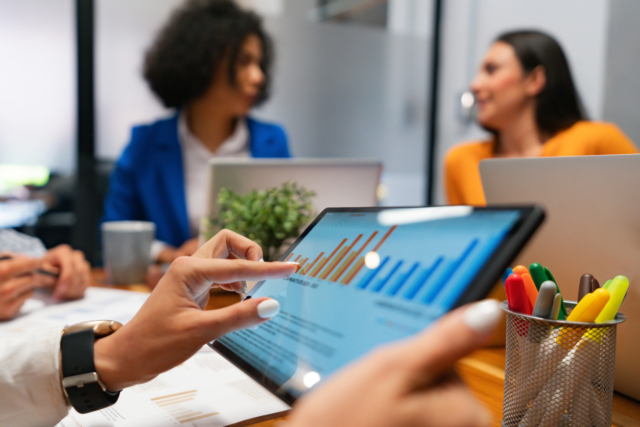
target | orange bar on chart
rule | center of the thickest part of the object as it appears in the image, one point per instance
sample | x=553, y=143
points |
x=289, y=257
x=354, y=270
x=345, y=264
x=384, y=238
x=297, y=258
x=322, y=263
x=310, y=266
x=302, y=263
x=335, y=262
x=350, y=259
x=352, y=274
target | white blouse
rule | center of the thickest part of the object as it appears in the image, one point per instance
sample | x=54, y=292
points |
x=195, y=162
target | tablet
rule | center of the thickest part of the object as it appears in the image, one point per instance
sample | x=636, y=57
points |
x=369, y=276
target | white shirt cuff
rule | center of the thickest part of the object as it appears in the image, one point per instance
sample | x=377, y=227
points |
x=30, y=390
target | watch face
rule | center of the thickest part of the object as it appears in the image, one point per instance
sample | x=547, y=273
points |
x=101, y=328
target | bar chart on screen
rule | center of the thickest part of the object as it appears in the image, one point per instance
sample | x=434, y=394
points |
x=364, y=263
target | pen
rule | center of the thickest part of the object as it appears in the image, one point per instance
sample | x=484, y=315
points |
x=517, y=296
x=600, y=299
x=555, y=310
x=537, y=274
x=594, y=284
x=585, y=287
x=563, y=310
x=581, y=308
x=520, y=269
x=545, y=300
x=37, y=270
x=530, y=288
x=508, y=272
x=617, y=289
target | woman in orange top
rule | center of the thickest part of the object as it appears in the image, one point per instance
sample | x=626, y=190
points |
x=526, y=98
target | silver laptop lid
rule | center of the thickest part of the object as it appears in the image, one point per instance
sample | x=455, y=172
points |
x=593, y=226
x=336, y=182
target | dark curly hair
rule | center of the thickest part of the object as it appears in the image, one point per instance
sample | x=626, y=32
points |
x=180, y=65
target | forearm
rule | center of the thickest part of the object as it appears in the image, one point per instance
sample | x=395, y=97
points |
x=30, y=390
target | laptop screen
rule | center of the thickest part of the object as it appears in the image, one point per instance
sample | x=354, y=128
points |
x=366, y=278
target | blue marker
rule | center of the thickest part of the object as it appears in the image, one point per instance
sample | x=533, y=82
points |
x=506, y=274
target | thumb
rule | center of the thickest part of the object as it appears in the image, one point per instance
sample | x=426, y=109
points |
x=434, y=352
x=245, y=314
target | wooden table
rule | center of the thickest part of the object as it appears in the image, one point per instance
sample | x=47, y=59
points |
x=482, y=371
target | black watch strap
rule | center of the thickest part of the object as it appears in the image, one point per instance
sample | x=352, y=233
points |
x=80, y=379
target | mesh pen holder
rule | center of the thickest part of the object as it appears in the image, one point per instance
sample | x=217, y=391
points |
x=558, y=373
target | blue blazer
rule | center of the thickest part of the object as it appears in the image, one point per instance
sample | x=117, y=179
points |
x=148, y=181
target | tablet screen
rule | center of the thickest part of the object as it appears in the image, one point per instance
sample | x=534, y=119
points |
x=366, y=278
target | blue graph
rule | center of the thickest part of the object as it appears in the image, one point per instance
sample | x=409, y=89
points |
x=427, y=283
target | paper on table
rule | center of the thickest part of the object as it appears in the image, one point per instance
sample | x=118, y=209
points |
x=206, y=390
x=40, y=312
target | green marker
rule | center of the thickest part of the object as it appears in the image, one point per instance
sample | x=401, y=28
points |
x=563, y=309
x=537, y=274
x=606, y=284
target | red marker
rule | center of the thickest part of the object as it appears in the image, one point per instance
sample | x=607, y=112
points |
x=517, y=295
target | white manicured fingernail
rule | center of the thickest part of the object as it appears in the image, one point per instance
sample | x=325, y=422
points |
x=261, y=260
x=268, y=308
x=297, y=264
x=483, y=316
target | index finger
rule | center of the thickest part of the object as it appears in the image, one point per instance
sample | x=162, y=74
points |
x=17, y=266
x=227, y=242
x=435, y=351
x=199, y=270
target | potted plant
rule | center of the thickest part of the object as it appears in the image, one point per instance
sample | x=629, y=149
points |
x=269, y=217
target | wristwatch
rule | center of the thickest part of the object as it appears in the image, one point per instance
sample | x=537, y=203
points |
x=80, y=381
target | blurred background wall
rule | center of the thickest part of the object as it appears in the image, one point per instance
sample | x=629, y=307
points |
x=351, y=76
x=37, y=83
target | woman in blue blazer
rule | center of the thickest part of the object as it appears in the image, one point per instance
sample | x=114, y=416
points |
x=211, y=62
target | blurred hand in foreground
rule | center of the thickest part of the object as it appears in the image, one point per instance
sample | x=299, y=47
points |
x=73, y=269
x=410, y=383
x=17, y=282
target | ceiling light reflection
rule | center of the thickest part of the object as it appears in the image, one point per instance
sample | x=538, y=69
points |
x=310, y=379
x=372, y=260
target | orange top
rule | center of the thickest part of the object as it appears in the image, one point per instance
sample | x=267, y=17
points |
x=462, y=172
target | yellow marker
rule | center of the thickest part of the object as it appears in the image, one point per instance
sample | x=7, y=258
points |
x=569, y=337
x=618, y=289
x=581, y=308
x=600, y=299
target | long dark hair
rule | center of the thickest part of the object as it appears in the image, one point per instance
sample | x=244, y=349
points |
x=180, y=65
x=558, y=104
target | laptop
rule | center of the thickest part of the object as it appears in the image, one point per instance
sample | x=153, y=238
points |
x=593, y=226
x=336, y=182
x=369, y=276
